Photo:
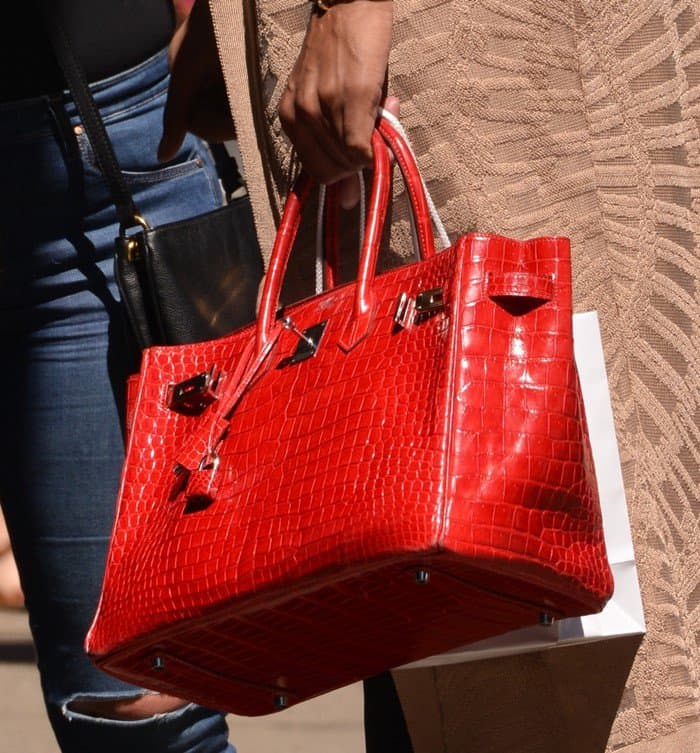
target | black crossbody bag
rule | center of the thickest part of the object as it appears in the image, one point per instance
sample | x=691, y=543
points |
x=186, y=281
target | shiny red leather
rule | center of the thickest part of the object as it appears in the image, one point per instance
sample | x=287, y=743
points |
x=422, y=481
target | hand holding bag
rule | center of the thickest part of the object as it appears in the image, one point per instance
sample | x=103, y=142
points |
x=370, y=476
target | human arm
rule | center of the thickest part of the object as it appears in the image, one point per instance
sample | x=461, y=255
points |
x=330, y=104
x=197, y=99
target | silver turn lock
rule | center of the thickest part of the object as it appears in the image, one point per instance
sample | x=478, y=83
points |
x=410, y=311
x=309, y=341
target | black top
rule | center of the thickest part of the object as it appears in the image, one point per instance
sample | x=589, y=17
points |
x=108, y=36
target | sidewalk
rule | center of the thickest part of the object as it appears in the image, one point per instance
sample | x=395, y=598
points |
x=330, y=723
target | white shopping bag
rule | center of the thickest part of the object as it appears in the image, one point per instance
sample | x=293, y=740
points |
x=623, y=615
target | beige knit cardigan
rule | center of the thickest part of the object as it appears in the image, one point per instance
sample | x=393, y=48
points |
x=576, y=117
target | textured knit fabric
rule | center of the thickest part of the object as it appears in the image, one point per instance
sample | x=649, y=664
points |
x=575, y=117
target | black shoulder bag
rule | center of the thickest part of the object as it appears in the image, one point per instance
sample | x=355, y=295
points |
x=186, y=281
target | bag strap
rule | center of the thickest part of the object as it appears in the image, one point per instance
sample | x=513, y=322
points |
x=89, y=114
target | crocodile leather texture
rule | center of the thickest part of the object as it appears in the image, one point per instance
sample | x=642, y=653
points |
x=381, y=472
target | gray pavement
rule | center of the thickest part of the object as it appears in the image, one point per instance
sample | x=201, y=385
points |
x=329, y=724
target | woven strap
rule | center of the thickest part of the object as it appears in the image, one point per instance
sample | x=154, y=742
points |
x=234, y=28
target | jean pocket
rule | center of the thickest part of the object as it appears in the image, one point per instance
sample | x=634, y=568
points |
x=162, y=173
x=136, y=155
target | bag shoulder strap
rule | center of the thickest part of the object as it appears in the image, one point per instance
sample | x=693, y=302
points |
x=89, y=113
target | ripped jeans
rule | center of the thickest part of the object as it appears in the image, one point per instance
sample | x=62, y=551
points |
x=64, y=360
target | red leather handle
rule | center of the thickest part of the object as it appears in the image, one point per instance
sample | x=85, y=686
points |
x=363, y=309
x=416, y=193
x=376, y=216
x=414, y=186
x=284, y=240
x=289, y=225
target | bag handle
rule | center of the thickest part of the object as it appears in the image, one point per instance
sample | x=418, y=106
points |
x=327, y=240
x=363, y=308
x=200, y=449
x=286, y=234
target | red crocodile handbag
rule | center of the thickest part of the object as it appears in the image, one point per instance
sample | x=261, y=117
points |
x=381, y=472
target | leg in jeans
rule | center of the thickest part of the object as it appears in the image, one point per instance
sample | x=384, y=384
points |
x=65, y=357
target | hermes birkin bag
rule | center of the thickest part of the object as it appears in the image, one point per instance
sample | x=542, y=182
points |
x=378, y=473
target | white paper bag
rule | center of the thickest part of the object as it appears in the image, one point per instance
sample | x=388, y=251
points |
x=623, y=615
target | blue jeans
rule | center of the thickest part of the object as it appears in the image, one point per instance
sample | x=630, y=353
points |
x=64, y=360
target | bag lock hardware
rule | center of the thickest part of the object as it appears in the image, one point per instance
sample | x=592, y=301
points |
x=193, y=395
x=411, y=311
x=133, y=247
x=309, y=341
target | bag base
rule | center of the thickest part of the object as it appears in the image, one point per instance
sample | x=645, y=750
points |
x=280, y=649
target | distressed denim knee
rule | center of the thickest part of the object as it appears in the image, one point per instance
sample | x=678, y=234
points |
x=125, y=708
x=188, y=729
